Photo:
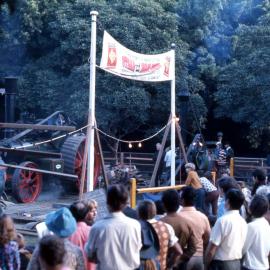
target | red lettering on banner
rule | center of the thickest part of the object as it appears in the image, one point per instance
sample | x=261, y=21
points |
x=167, y=66
x=128, y=63
x=112, y=57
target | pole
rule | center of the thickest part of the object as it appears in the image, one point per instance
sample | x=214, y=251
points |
x=92, y=94
x=173, y=121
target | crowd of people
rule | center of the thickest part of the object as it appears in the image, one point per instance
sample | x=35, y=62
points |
x=205, y=225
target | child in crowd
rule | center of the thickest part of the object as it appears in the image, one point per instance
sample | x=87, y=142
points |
x=9, y=252
x=92, y=211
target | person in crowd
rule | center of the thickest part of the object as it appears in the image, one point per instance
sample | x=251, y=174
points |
x=115, y=241
x=80, y=236
x=129, y=211
x=150, y=241
x=219, y=136
x=259, y=179
x=160, y=210
x=228, y=236
x=224, y=184
x=62, y=224
x=168, y=161
x=181, y=226
x=52, y=253
x=257, y=245
x=212, y=193
x=91, y=215
x=166, y=235
x=199, y=225
x=220, y=159
x=229, y=153
x=263, y=190
x=25, y=253
x=247, y=193
x=267, y=214
x=193, y=180
x=9, y=251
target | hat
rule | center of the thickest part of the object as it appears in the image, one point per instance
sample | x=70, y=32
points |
x=61, y=222
x=190, y=166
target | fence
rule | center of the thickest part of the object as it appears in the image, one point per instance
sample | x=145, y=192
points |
x=242, y=167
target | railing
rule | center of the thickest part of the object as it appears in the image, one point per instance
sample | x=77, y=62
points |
x=242, y=167
x=134, y=190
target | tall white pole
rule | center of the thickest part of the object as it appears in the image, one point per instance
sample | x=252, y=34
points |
x=173, y=121
x=92, y=96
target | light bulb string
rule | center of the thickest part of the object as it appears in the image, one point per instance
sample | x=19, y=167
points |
x=130, y=141
x=99, y=130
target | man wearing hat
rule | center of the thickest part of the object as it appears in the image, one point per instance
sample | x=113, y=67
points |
x=62, y=224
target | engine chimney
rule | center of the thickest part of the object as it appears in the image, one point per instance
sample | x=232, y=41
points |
x=10, y=96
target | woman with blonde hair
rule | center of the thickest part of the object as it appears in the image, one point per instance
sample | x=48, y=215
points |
x=9, y=251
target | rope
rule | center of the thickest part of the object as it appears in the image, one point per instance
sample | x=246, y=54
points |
x=136, y=141
x=50, y=140
x=99, y=130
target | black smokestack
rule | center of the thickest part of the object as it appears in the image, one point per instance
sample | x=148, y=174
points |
x=10, y=96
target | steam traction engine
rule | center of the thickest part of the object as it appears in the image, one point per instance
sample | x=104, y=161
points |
x=29, y=159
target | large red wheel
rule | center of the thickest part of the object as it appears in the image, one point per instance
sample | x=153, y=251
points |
x=26, y=185
x=72, y=154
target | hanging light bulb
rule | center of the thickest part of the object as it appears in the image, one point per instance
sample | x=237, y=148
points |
x=139, y=144
x=129, y=145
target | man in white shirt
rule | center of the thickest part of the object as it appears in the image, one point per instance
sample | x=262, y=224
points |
x=228, y=236
x=115, y=241
x=257, y=245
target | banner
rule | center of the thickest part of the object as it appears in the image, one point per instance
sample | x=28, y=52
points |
x=123, y=62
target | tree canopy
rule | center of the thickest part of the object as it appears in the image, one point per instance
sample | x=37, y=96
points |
x=222, y=55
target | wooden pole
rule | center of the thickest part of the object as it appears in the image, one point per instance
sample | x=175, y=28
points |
x=85, y=157
x=160, y=153
x=102, y=159
x=37, y=127
x=133, y=192
x=178, y=129
x=231, y=167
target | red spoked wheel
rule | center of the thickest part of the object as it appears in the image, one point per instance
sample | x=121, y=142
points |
x=72, y=154
x=26, y=185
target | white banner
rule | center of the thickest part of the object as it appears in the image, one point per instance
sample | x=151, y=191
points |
x=123, y=62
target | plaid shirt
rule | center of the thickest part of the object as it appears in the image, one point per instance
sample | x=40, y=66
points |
x=9, y=256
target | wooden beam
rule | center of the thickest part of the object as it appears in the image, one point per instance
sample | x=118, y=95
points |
x=37, y=127
x=102, y=158
x=160, y=153
x=40, y=171
x=158, y=189
x=178, y=131
x=23, y=152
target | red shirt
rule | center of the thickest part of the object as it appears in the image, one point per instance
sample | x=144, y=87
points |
x=80, y=238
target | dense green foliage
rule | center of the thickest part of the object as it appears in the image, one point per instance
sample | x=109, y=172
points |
x=222, y=56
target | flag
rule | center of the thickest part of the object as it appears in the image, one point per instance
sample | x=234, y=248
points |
x=123, y=62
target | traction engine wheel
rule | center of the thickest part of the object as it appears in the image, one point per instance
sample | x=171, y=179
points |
x=72, y=153
x=26, y=185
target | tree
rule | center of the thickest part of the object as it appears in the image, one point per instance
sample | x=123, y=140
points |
x=243, y=85
x=57, y=36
